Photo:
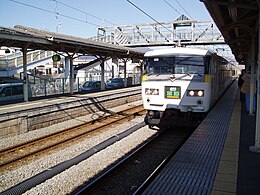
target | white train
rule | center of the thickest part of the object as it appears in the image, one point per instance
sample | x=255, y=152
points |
x=182, y=84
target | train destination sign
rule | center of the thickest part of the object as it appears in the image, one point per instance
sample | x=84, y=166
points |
x=172, y=92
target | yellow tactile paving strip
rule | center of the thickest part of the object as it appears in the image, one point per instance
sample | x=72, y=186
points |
x=226, y=178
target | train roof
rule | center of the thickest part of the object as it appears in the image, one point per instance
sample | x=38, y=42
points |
x=178, y=51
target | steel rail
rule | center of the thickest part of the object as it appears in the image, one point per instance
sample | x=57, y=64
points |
x=17, y=153
x=47, y=174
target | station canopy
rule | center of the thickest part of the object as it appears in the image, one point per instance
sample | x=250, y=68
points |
x=238, y=22
x=25, y=37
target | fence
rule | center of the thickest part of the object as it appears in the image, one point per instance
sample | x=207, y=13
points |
x=42, y=87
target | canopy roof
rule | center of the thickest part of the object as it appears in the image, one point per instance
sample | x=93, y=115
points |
x=238, y=22
x=25, y=37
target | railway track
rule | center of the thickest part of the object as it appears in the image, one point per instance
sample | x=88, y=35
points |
x=127, y=175
x=13, y=157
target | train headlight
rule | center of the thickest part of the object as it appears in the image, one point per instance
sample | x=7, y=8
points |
x=195, y=93
x=191, y=93
x=151, y=91
x=200, y=93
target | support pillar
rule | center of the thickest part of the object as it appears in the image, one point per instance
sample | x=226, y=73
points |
x=25, y=76
x=69, y=72
x=256, y=147
x=252, y=77
x=67, y=67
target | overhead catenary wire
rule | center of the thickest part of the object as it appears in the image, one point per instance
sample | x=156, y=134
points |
x=184, y=9
x=53, y=12
x=172, y=7
x=69, y=6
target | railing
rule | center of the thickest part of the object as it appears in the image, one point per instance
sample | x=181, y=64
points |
x=42, y=87
x=188, y=30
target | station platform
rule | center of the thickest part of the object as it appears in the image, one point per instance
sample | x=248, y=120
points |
x=20, y=118
x=216, y=158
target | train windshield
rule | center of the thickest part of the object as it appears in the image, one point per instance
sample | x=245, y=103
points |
x=175, y=65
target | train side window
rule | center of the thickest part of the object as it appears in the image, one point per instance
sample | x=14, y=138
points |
x=207, y=60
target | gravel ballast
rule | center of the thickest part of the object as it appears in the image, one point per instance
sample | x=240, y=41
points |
x=76, y=175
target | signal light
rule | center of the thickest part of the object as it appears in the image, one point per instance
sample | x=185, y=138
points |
x=56, y=58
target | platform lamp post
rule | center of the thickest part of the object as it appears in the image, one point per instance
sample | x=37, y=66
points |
x=256, y=147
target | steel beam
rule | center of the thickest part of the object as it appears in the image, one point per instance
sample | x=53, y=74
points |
x=231, y=4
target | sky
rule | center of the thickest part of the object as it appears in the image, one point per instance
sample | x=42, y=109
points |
x=82, y=17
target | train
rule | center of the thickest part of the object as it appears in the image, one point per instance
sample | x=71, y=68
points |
x=181, y=84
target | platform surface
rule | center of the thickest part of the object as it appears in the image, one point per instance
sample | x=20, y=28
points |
x=216, y=158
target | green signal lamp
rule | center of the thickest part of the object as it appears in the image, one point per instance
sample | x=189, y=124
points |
x=56, y=58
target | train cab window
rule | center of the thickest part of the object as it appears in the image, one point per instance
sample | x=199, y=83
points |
x=159, y=65
x=175, y=65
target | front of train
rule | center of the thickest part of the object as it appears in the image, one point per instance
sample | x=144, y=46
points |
x=175, y=86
